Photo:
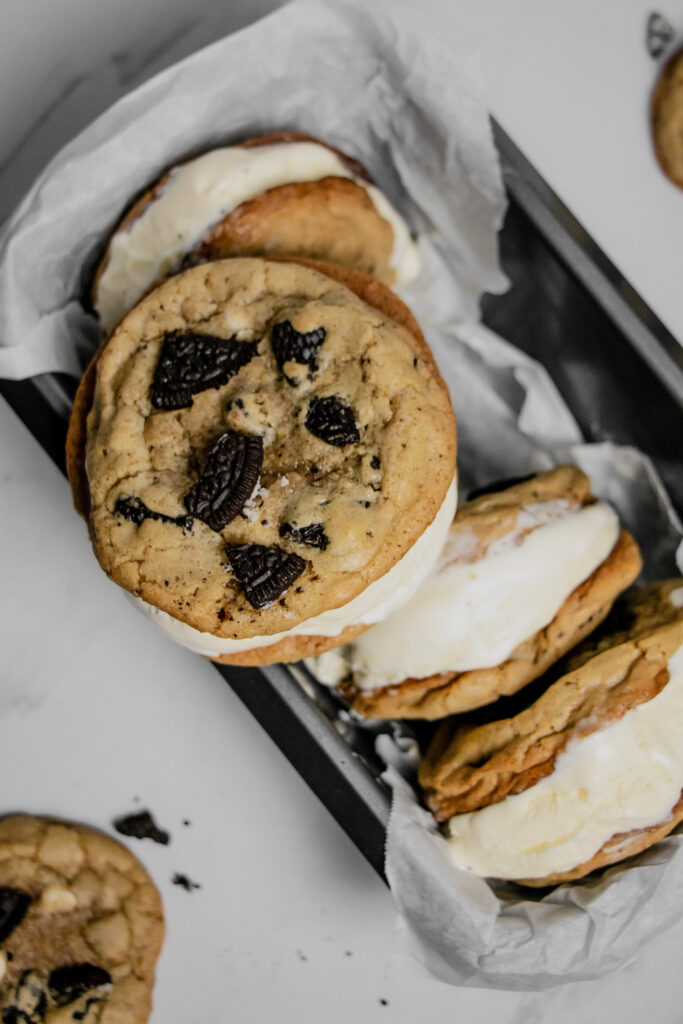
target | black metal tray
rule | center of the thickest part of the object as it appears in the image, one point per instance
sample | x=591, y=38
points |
x=620, y=372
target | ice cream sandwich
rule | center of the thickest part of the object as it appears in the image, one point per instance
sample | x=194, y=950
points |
x=265, y=454
x=590, y=773
x=527, y=572
x=285, y=195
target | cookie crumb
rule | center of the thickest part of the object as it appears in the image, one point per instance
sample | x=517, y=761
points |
x=184, y=882
x=141, y=825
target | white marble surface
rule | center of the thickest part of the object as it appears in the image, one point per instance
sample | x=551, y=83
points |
x=96, y=709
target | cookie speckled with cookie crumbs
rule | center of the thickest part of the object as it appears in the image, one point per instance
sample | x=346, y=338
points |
x=81, y=926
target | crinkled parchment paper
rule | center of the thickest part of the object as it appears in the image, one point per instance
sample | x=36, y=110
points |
x=411, y=113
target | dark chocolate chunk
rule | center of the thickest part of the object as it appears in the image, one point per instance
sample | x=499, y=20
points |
x=66, y=984
x=184, y=882
x=498, y=485
x=332, y=420
x=289, y=346
x=189, y=363
x=13, y=907
x=375, y=462
x=313, y=534
x=141, y=825
x=29, y=1001
x=265, y=573
x=135, y=509
x=230, y=474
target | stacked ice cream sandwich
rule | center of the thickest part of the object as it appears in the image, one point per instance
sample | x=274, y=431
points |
x=265, y=453
x=589, y=773
x=263, y=447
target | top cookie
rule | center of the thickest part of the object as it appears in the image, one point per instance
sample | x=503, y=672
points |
x=262, y=445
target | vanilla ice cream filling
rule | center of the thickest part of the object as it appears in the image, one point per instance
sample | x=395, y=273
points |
x=473, y=614
x=201, y=193
x=378, y=600
x=627, y=776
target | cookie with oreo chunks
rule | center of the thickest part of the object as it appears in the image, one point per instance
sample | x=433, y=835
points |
x=285, y=195
x=666, y=114
x=282, y=489
x=81, y=925
x=587, y=774
x=472, y=633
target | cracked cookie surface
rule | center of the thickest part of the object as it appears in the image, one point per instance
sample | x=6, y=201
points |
x=358, y=442
x=81, y=926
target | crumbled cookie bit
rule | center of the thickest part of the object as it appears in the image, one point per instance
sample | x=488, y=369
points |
x=332, y=420
x=184, y=882
x=312, y=535
x=141, y=825
x=290, y=346
x=136, y=511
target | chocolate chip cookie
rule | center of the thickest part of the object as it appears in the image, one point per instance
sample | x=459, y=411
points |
x=81, y=926
x=255, y=446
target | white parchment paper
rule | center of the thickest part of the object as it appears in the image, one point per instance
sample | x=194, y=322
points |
x=411, y=113
x=336, y=72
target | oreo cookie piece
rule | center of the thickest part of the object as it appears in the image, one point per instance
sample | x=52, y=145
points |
x=67, y=984
x=658, y=34
x=230, y=474
x=333, y=421
x=134, y=509
x=191, y=362
x=291, y=346
x=265, y=573
x=141, y=825
x=13, y=907
x=312, y=535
